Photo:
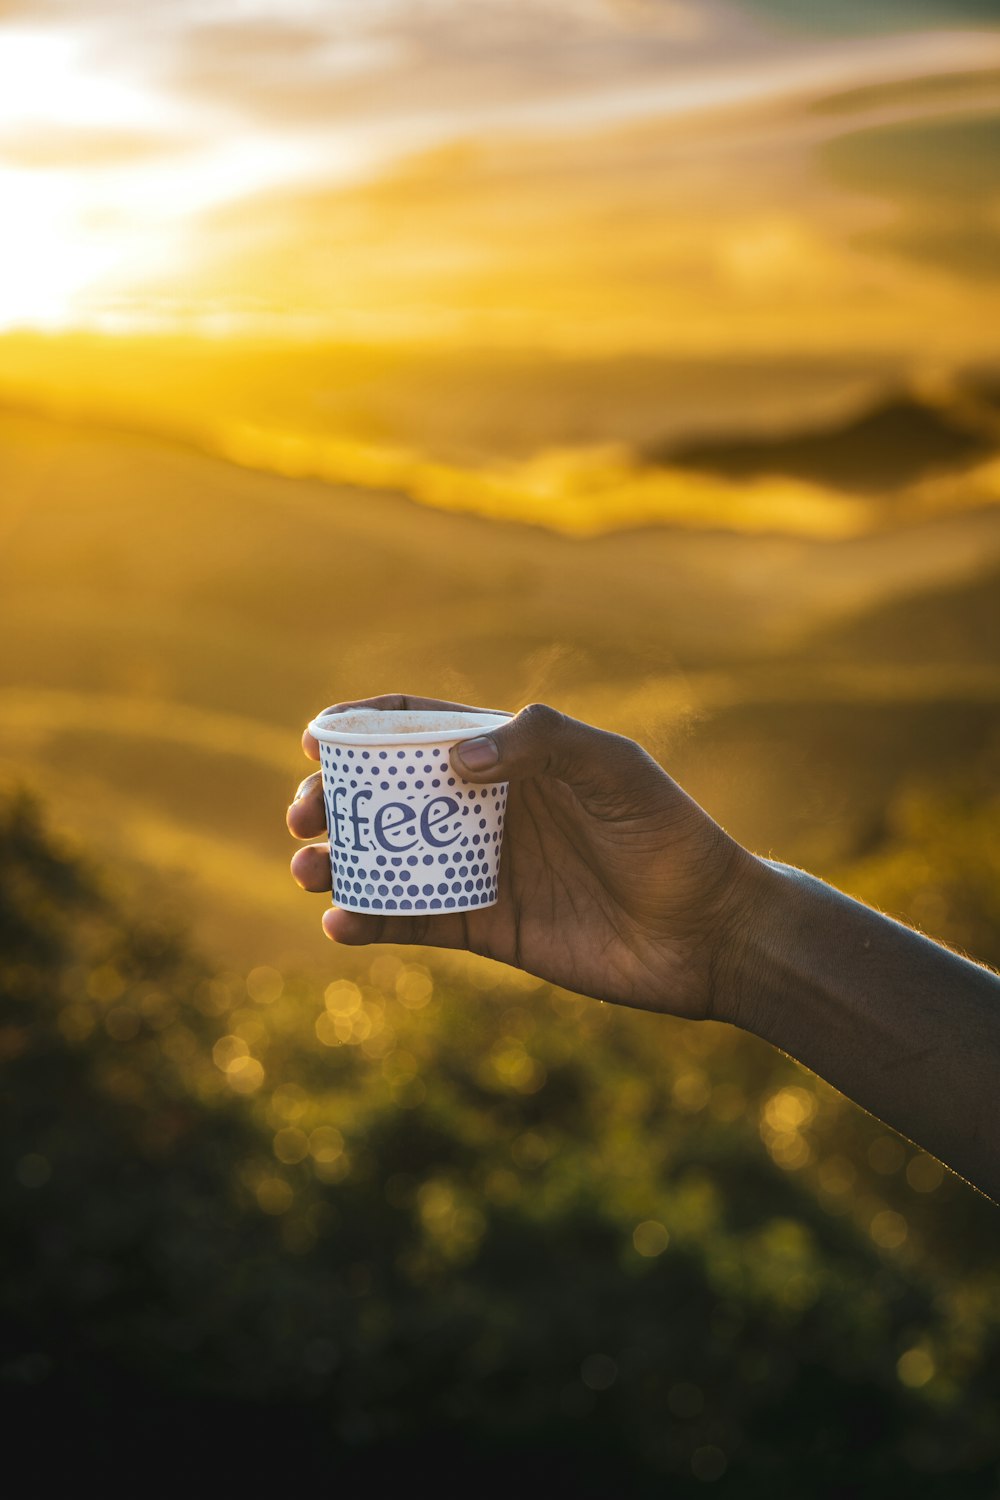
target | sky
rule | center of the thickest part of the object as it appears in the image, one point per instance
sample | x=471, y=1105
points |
x=598, y=174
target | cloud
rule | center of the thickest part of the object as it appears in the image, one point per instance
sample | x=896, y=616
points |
x=54, y=147
x=643, y=237
x=439, y=58
x=961, y=90
x=857, y=17
x=967, y=245
x=433, y=67
x=942, y=177
x=921, y=160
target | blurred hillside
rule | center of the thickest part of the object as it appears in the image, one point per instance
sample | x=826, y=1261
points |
x=895, y=442
x=826, y=447
x=463, y=404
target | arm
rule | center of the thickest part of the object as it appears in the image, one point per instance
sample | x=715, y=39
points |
x=905, y=1027
x=614, y=883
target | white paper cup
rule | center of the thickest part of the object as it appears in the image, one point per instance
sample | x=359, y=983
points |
x=406, y=833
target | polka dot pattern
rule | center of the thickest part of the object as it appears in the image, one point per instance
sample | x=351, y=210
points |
x=407, y=834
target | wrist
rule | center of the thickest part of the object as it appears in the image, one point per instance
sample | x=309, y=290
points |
x=747, y=952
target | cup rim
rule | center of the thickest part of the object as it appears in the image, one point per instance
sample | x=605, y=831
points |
x=323, y=728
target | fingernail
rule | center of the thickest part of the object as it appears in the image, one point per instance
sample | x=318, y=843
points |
x=478, y=755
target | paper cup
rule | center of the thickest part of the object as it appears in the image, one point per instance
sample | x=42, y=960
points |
x=406, y=833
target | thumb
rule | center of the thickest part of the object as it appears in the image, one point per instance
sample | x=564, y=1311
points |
x=602, y=768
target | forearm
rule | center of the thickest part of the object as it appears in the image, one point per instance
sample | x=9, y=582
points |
x=906, y=1028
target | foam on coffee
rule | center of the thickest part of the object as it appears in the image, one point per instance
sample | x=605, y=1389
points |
x=382, y=725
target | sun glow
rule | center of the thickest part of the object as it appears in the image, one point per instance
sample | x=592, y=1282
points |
x=45, y=80
x=45, y=259
x=61, y=236
x=103, y=184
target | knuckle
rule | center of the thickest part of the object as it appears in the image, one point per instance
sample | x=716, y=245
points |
x=540, y=718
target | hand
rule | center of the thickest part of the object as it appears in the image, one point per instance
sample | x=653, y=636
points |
x=613, y=882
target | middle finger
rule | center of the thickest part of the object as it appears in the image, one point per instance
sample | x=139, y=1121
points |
x=307, y=815
x=311, y=867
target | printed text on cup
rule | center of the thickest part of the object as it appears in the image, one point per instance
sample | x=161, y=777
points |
x=396, y=826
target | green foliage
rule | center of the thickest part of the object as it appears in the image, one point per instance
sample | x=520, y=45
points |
x=435, y=1209
x=939, y=865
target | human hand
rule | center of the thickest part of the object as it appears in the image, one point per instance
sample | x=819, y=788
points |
x=613, y=882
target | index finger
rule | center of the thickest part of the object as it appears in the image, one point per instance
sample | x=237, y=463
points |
x=396, y=701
